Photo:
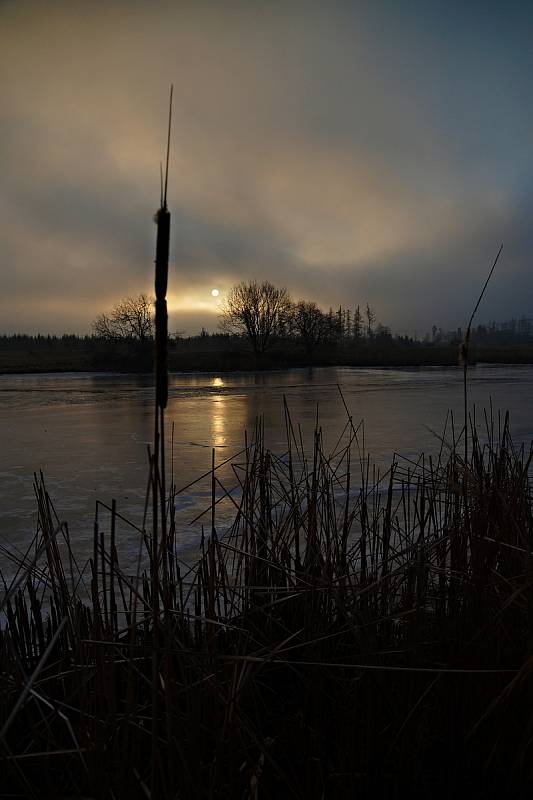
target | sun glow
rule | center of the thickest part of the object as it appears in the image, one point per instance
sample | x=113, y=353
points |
x=215, y=292
x=198, y=301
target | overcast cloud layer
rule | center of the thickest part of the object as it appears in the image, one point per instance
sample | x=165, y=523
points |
x=358, y=151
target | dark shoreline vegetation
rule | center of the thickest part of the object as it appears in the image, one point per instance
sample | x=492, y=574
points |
x=350, y=635
x=30, y=354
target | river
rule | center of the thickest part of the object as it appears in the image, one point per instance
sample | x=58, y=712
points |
x=89, y=433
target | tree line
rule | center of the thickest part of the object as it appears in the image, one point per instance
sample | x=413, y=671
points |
x=259, y=312
x=513, y=331
x=265, y=313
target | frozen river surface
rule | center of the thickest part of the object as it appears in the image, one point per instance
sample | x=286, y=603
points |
x=89, y=433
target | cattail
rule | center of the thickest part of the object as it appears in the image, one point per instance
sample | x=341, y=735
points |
x=162, y=218
x=161, y=314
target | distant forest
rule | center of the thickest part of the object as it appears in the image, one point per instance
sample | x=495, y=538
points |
x=510, y=332
x=343, y=343
x=343, y=326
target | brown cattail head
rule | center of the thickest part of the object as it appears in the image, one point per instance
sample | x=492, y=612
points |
x=161, y=315
x=161, y=252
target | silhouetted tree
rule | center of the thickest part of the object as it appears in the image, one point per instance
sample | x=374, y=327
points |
x=383, y=333
x=340, y=322
x=370, y=320
x=132, y=319
x=258, y=311
x=348, y=326
x=357, y=327
x=310, y=324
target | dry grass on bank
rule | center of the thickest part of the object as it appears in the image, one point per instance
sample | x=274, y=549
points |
x=350, y=635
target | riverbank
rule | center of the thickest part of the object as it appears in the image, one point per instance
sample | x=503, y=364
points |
x=329, y=644
x=86, y=355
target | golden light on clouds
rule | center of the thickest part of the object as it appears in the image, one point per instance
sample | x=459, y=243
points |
x=193, y=300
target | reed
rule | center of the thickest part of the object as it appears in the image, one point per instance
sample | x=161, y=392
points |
x=349, y=633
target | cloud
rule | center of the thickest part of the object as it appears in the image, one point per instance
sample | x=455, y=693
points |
x=347, y=150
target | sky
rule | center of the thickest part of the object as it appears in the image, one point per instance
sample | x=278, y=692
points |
x=353, y=152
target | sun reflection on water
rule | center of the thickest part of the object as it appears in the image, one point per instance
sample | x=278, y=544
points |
x=219, y=420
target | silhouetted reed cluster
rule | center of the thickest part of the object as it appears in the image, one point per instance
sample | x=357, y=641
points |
x=350, y=634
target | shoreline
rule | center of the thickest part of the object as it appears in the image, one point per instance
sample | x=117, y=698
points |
x=242, y=361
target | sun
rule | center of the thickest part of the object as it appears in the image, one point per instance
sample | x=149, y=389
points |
x=215, y=292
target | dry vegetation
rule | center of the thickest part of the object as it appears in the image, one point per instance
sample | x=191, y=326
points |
x=349, y=635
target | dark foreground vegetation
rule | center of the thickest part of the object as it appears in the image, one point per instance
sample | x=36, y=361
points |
x=350, y=635
x=220, y=352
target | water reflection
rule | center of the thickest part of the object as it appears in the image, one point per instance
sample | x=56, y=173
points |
x=218, y=416
x=218, y=421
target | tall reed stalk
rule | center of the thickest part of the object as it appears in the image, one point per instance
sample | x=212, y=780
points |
x=465, y=349
x=159, y=521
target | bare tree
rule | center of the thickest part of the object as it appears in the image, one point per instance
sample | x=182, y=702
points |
x=310, y=323
x=370, y=315
x=357, y=327
x=348, y=325
x=132, y=319
x=258, y=311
